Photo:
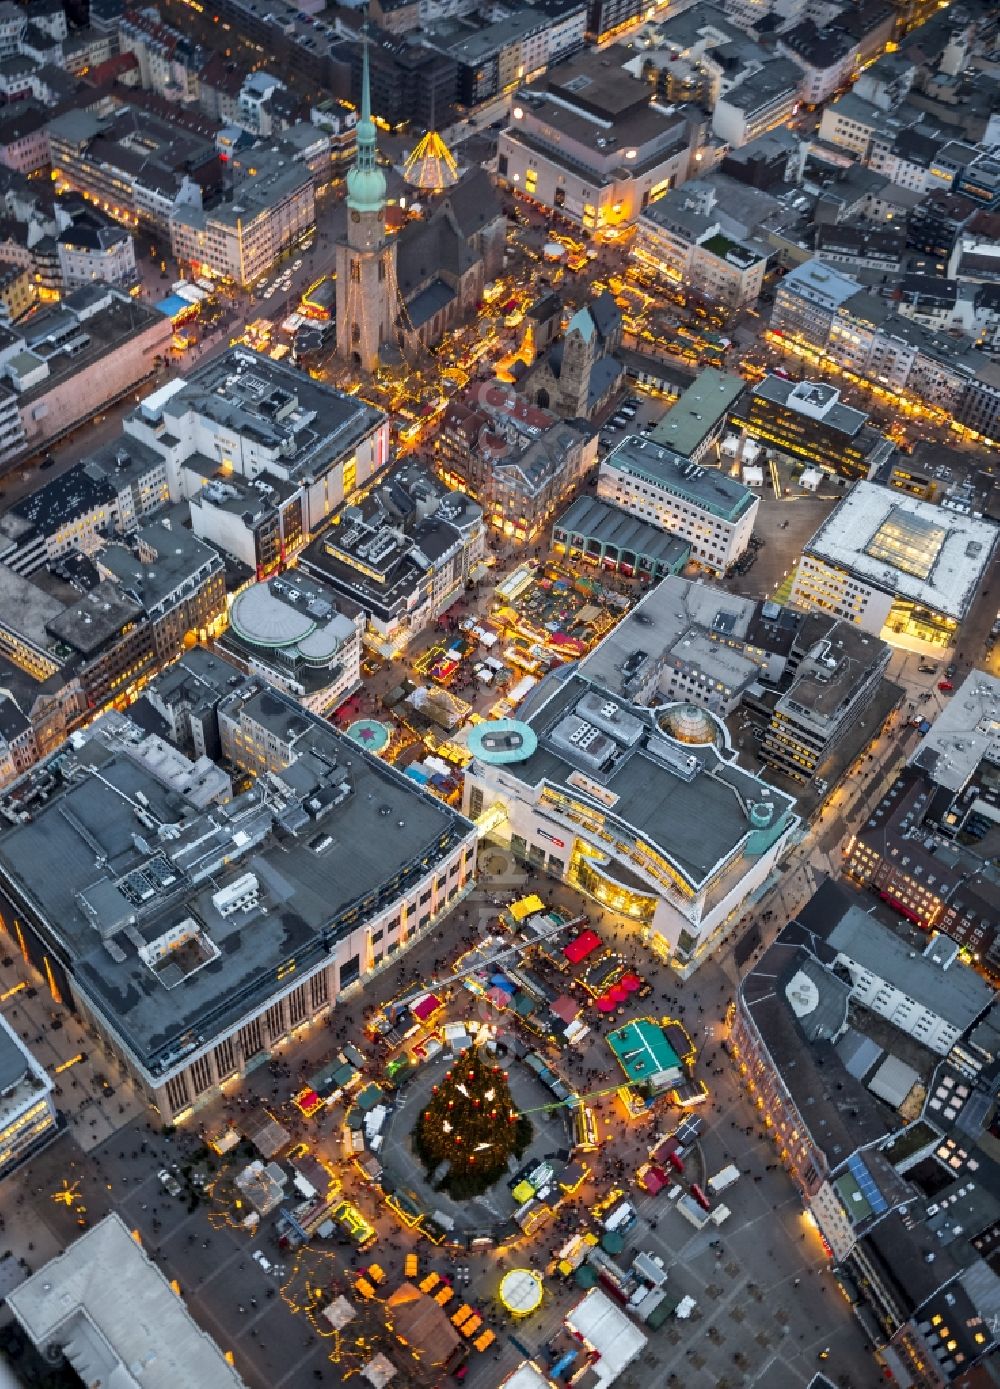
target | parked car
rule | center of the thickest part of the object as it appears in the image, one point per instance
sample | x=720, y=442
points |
x=169, y=1182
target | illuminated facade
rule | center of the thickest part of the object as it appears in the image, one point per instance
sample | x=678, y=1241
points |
x=713, y=512
x=659, y=824
x=273, y=206
x=588, y=143
x=27, y=1108
x=897, y=567
x=294, y=890
x=808, y=420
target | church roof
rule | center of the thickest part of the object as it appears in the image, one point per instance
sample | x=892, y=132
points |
x=474, y=202
x=426, y=250
x=606, y=314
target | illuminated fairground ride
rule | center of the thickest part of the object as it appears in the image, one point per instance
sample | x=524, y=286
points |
x=430, y=165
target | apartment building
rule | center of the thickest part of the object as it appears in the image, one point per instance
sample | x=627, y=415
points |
x=761, y=102
x=701, y=505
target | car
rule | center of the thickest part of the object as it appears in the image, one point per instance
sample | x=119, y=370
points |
x=945, y=686
x=169, y=1182
x=260, y=1258
x=298, y=264
x=950, y=670
x=47, y=461
x=927, y=669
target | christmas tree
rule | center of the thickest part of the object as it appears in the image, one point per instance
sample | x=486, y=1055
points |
x=470, y=1124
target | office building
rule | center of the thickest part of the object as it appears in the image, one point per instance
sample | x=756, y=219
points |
x=300, y=637
x=586, y=141
x=827, y=58
x=255, y=419
x=403, y=555
x=74, y=1305
x=809, y=421
x=701, y=505
x=269, y=208
x=694, y=424
x=63, y=365
x=28, y=1118
x=645, y=811
x=702, y=645
x=895, y=566
x=882, y=1133
x=837, y=671
x=907, y=853
x=106, y=623
x=518, y=460
x=807, y=299
x=258, y=523
x=302, y=884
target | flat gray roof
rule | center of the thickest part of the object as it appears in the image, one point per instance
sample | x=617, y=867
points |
x=323, y=860
x=115, y=1314
x=957, y=548
x=965, y=733
x=709, y=488
x=687, y=801
x=697, y=413
x=956, y=994
x=674, y=608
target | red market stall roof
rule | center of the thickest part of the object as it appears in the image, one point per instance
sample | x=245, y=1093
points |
x=604, y=1005
x=654, y=1179
x=426, y=1007
x=565, y=1008
x=581, y=946
x=630, y=982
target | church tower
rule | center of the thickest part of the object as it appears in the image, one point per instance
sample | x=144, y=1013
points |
x=366, y=260
x=578, y=353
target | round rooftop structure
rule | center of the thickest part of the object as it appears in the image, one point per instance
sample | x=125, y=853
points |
x=521, y=1291
x=502, y=740
x=264, y=620
x=686, y=723
x=369, y=734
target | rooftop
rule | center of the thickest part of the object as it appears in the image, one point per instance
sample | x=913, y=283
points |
x=145, y=866
x=907, y=547
x=965, y=733
x=697, y=413
x=708, y=488
x=817, y=400
x=694, y=804
x=76, y=1301
x=609, y=525
x=948, y=988
x=299, y=424
x=675, y=611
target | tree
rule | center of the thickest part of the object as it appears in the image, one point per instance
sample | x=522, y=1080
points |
x=470, y=1124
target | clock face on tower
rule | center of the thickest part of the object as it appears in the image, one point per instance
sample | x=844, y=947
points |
x=355, y=216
